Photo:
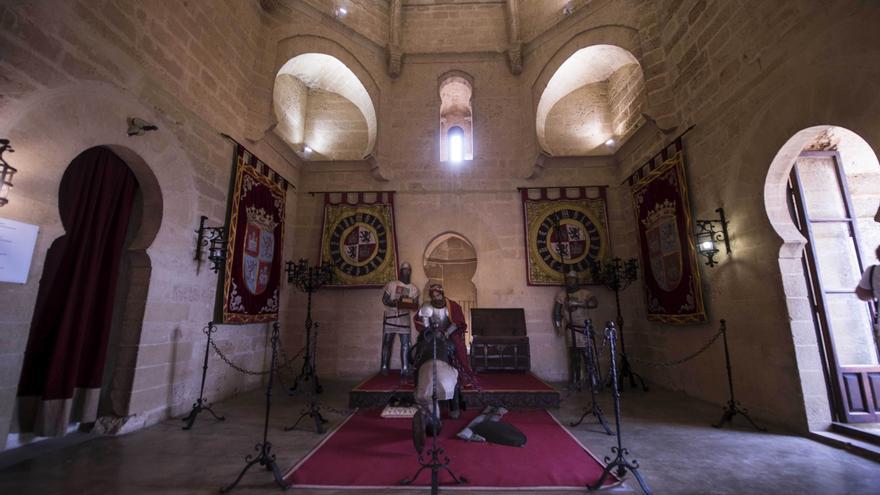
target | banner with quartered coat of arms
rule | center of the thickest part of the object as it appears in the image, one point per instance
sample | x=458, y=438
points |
x=252, y=274
x=673, y=293
x=359, y=238
x=565, y=229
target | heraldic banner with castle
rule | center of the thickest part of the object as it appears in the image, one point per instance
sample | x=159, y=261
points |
x=566, y=228
x=359, y=238
x=673, y=293
x=252, y=275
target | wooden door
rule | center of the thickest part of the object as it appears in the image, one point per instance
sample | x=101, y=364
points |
x=824, y=214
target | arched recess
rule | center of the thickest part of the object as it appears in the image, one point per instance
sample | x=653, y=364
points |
x=49, y=129
x=595, y=96
x=625, y=37
x=450, y=259
x=859, y=164
x=294, y=46
x=323, y=110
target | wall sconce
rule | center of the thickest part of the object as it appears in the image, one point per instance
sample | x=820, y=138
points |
x=213, y=238
x=6, y=172
x=708, y=236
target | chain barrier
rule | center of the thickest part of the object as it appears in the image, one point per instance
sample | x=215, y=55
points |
x=286, y=362
x=667, y=364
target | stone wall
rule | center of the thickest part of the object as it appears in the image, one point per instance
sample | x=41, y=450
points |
x=739, y=71
x=455, y=28
x=73, y=73
x=750, y=82
x=626, y=99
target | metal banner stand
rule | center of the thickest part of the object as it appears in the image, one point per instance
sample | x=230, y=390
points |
x=733, y=406
x=594, y=378
x=617, y=275
x=309, y=279
x=434, y=463
x=620, y=463
x=201, y=404
x=265, y=458
x=313, y=410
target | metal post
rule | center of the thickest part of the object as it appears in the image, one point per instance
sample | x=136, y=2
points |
x=265, y=458
x=733, y=406
x=201, y=404
x=592, y=365
x=434, y=463
x=620, y=463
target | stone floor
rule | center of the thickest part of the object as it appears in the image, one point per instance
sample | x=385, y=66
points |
x=668, y=433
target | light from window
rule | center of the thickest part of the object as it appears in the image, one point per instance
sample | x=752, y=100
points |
x=456, y=144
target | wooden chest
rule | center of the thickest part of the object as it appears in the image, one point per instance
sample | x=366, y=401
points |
x=499, y=341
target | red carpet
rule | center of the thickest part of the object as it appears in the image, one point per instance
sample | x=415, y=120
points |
x=367, y=451
x=489, y=382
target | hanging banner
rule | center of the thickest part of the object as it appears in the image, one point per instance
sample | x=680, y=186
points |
x=359, y=239
x=565, y=229
x=252, y=274
x=673, y=293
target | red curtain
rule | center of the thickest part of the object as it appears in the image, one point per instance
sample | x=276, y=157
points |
x=64, y=361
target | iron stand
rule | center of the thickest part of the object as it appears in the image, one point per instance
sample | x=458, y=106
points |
x=733, y=406
x=592, y=375
x=264, y=458
x=313, y=410
x=620, y=464
x=617, y=275
x=436, y=452
x=308, y=371
x=201, y=404
x=626, y=370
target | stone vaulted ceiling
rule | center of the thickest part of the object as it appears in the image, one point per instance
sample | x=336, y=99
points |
x=592, y=103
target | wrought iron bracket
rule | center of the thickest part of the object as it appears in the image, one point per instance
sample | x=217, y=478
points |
x=715, y=229
x=213, y=238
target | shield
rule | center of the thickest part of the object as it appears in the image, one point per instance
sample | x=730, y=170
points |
x=569, y=242
x=359, y=245
x=259, y=251
x=664, y=251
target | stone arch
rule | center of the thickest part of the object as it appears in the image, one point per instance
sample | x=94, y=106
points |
x=790, y=119
x=602, y=87
x=49, y=129
x=294, y=46
x=451, y=259
x=624, y=37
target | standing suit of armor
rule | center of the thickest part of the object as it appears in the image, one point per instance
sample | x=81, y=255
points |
x=569, y=313
x=398, y=320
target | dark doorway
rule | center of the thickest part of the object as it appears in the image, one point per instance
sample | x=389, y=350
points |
x=67, y=346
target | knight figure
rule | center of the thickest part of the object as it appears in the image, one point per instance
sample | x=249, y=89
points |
x=400, y=297
x=569, y=313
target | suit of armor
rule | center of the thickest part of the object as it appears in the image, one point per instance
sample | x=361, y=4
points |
x=397, y=297
x=569, y=313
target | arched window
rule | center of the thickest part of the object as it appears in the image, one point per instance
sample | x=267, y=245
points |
x=456, y=117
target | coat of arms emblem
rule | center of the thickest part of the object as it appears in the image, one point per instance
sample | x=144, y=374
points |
x=259, y=250
x=664, y=248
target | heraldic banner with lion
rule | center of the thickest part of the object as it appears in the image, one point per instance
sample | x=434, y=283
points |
x=252, y=275
x=673, y=293
x=359, y=238
x=566, y=228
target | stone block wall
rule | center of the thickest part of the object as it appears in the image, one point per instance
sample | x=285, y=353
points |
x=73, y=73
x=455, y=28
x=626, y=97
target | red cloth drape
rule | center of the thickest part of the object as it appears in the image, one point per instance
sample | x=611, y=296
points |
x=67, y=344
